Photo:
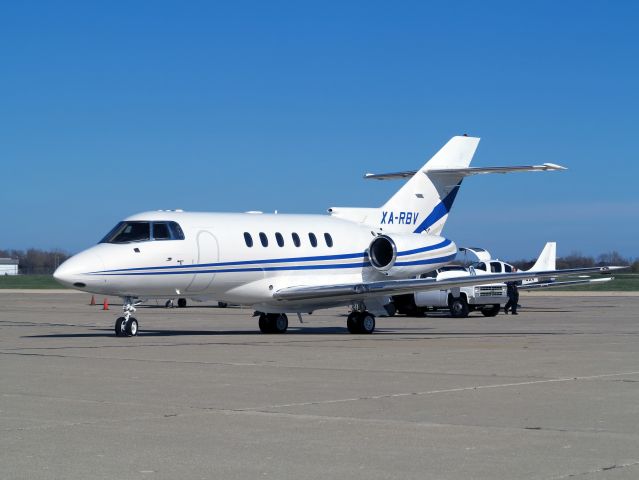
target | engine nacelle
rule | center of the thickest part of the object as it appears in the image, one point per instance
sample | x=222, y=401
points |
x=405, y=256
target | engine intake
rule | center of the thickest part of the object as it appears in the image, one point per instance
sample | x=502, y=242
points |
x=383, y=253
x=409, y=255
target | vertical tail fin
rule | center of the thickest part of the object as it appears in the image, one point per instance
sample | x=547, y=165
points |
x=547, y=258
x=424, y=202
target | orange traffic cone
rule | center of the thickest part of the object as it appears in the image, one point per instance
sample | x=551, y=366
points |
x=105, y=306
x=92, y=300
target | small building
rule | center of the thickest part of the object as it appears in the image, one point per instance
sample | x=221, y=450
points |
x=9, y=266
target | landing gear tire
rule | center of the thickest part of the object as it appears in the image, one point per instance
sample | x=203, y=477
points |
x=361, y=322
x=222, y=304
x=366, y=323
x=280, y=323
x=182, y=302
x=459, y=307
x=273, y=323
x=168, y=304
x=131, y=327
x=119, y=327
x=264, y=323
x=490, y=310
x=127, y=325
x=351, y=322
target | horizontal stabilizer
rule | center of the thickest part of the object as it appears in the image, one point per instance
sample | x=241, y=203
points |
x=465, y=172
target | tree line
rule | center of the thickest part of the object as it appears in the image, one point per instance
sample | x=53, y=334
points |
x=35, y=261
x=577, y=260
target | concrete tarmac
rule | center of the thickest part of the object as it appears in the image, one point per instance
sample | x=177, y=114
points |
x=552, y=393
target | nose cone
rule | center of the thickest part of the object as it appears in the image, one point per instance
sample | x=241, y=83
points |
x=76, y=271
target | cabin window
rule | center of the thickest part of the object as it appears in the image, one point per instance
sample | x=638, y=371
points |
x=329, y=240
x=508, y=268
x=161, y=231
x=248, y=239
x=481, y=266
x=279, y=239
x=313, y=239
x=495, y=267
x=263, y=239
x=296, y=239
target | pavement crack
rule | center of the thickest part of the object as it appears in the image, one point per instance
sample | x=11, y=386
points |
x=446, y=390
x=598, y=470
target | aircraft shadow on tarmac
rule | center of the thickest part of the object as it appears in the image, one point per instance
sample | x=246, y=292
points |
x=478, y=315
x=302, y=331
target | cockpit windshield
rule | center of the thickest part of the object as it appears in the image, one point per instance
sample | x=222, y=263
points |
x=140, y=231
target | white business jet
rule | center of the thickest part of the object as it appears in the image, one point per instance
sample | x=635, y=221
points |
x=280, y=264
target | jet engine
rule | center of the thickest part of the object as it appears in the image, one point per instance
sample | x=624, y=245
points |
x=408, y=255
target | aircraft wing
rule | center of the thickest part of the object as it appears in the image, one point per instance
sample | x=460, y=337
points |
x=567, y=283
x=466, y=171
x=362, y=290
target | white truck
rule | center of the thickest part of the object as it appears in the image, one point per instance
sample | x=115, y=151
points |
x=460, y=301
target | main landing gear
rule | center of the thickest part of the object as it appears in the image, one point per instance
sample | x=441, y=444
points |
x=357, y=322
x=360, y=322
x=127, y=326
x=273, y=322
x=181, y=303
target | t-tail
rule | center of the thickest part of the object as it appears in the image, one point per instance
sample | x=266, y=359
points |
x=423, y=204
x=425, y=200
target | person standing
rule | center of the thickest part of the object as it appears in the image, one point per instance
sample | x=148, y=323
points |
x=513, y=297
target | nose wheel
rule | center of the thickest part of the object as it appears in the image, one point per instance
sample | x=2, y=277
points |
x=127, y=326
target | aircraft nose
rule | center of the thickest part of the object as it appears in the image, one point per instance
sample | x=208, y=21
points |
x=74, y=272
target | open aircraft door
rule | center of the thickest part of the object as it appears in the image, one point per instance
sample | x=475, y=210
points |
x=474, y=254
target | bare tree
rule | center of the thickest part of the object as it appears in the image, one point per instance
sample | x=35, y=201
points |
x=35, y=261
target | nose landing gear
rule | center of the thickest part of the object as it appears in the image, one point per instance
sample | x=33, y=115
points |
x=127, y=326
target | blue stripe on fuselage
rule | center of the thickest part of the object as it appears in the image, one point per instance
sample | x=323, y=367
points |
x=441, y=244
x=335, y=266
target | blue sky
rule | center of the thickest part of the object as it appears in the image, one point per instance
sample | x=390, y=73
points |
x=114, y=108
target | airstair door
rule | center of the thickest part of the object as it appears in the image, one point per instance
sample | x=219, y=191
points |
x=208, y=252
